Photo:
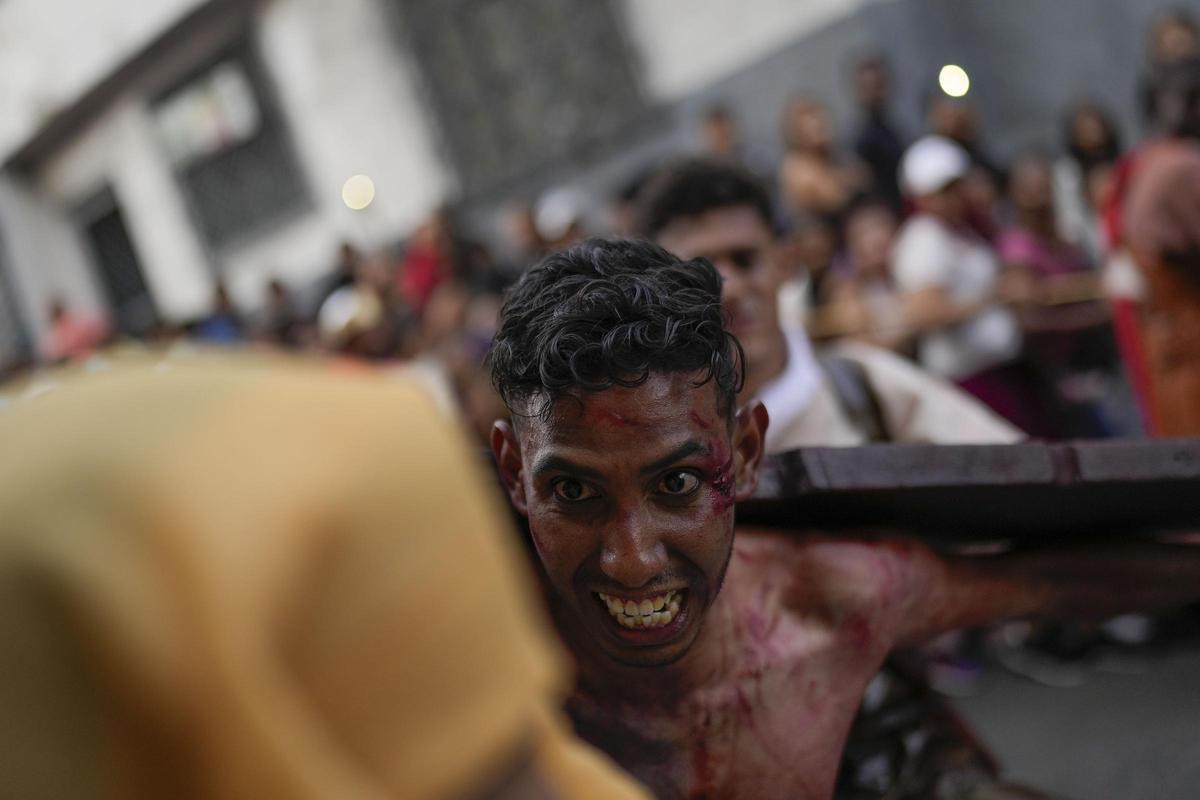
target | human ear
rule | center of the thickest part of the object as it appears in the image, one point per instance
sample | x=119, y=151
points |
x=507, y=452
x=749, y=437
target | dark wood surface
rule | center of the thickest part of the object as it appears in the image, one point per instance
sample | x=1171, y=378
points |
x=981, y=493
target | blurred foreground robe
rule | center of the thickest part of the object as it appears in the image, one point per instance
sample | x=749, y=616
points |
x=221, y=579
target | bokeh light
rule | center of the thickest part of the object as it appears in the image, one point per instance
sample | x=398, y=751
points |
x=954, y=80
x=358, y=191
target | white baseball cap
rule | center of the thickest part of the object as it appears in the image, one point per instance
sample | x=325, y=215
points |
x=932, y=164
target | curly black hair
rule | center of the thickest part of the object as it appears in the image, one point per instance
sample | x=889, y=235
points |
x=690, y=187
x=610, y=313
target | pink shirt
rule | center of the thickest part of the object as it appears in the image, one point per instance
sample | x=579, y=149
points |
x=1047, y=260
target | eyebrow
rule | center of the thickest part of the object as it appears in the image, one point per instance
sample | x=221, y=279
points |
x=553, y=463
x=678, y=454
x=557, y=463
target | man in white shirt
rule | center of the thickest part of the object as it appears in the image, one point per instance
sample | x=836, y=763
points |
x=716, y=210
x=955, y=293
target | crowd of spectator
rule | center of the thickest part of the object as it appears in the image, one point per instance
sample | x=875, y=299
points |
x=1008, y=279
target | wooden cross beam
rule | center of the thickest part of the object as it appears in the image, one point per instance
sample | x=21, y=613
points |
x=1024, y=492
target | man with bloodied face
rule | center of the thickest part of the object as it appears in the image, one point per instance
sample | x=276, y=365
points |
x=625, y=451
x=713, y=664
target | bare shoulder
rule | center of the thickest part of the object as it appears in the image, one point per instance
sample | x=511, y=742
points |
x=846, y=582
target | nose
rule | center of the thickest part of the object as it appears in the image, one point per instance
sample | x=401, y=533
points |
x=632, y=554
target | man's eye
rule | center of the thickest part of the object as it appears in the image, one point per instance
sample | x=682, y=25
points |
x=679, y=483
x=744, y=258
x=572, y=491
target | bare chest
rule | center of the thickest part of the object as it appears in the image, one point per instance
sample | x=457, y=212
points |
x=773, y=729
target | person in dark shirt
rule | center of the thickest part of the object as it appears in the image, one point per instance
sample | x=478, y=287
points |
x=878, y=142
x=282, y=325
x=224, y=324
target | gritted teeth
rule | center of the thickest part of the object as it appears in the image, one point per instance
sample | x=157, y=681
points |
x=652, y=612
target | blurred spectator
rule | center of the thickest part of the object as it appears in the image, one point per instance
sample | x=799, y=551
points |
x=165, y=334
x=559, y=217
x=14, y=370
x=870, y=231
x=1082, y=177
x=428, y=260
x=815, y=179
x=878, y=143
x=623, y=208
x=863, y=300
x=1174, y=38
x=723, y=139
x=478, y=269
x=843, y=395
x=1124, y=281
x=355, y=322
x=223, y=325
x=1162, y=228
x=957, y=119
x=444, y=316
x=282, y=325
x=951, y=282
x=983, y=194
x=720, y=134
x=72, y=335
x=344, y=273
x=1068, y=341
x=806, y=258
x=463, y=356
x=524, y=243
x=830, y=263
x=1061, y=271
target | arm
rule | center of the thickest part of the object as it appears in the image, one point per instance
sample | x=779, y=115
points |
x=1103, y=580
x=1063, y=303
x=1053, y=319
x=844, y=315
x=808, y=187
x=848, y=314
x=932, y=308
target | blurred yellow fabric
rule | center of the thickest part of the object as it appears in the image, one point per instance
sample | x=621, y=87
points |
x=230, y=579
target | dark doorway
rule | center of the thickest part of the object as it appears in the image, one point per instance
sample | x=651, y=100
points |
x=120, y=269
